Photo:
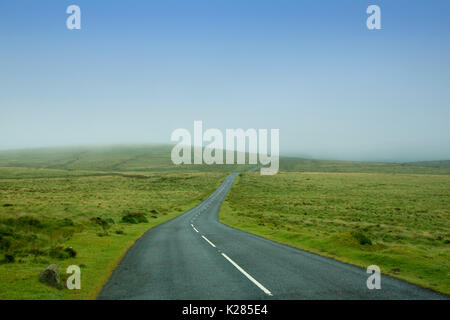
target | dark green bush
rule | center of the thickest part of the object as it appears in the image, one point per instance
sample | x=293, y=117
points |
x=101, y=222
x=129, y=219
x=66, y=222
x=59, y=253
x=5, y=230
x=5, y=243
x=71, y=252
x=24, y=222
x=362, y=238
x=29, y=221
x=36, y=252
x=134, y=218
x=9, y=258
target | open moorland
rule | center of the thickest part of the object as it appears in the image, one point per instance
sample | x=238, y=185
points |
x=400, y=222
x=87, y=206
x=88, y=221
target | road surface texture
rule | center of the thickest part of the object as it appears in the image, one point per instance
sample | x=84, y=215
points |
x=196, y=257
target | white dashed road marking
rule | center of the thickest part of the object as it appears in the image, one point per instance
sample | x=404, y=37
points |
x=259, y=285
x=209, y=241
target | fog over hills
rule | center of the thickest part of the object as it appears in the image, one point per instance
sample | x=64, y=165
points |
x=156, y=158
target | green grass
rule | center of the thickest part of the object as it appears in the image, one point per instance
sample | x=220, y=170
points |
x=156, y=158
x=96, y=200
x=400, y=222
x=395, y=216
x=289, y=164
x=75, y=161
x=43, y=216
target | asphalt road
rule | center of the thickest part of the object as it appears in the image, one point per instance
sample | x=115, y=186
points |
x=196, y=257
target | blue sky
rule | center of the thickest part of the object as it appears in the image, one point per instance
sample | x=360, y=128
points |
x=137, y=70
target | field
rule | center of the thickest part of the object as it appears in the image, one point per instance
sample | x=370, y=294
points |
x=288, y=164
x=111, y=159
x=400, y=222
x=86, y=206
x=99, y=217
x=156, y=158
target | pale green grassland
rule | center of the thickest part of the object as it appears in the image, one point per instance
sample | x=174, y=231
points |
x=53, y=199
x=39, y=218
x=156, y=158
x=400, y=222
x=311, y=165
x=138, y=158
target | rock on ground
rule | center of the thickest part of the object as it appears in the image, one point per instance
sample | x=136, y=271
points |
x=50, y=276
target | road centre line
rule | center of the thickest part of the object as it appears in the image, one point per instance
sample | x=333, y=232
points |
x=209, y=241
x=259, y=285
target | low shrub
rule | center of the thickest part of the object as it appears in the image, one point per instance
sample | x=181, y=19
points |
x=9, y=258
x=5, y=243
x=362, y=238
x=101, y=222
x=36, y=252
x=71, y=252
x=29, y=221
x=134, y=218
x=66, y=222
x=8, y=225
x=59, y=253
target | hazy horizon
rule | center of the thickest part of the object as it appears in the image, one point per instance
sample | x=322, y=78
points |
x=138, y=145
x=134, y=74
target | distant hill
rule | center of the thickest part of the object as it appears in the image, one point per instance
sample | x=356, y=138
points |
x=434, y=164
x=311, y=165
x=128, y=158
x=156, y=158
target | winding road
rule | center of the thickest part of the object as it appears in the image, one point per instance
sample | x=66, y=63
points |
x=193, y=256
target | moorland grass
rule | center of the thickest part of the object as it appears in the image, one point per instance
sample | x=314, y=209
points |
x=400, y=222
x=156, y=158
x=85, y=221
x=97, y=201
